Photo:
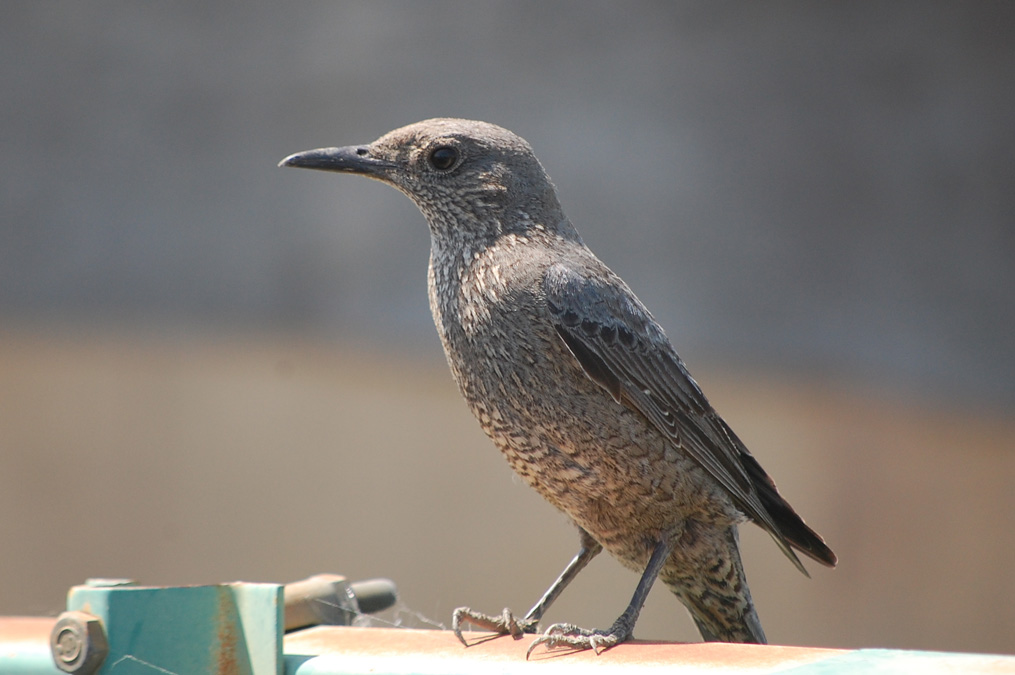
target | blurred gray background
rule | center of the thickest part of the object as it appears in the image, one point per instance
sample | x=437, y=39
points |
x=213, y=369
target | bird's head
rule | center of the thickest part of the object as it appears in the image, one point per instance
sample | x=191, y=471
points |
x=468, y=178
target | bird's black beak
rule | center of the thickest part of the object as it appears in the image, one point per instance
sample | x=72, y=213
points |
x=350, y=159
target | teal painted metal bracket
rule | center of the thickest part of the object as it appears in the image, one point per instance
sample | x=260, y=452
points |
x=226, y=628
x=117, y=626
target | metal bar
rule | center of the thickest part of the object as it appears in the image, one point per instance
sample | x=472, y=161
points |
x=237, y=629
x=24, y=646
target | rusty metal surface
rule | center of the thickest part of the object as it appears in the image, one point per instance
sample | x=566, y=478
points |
x=330, y=650
x=25, y=630
x=351, y=650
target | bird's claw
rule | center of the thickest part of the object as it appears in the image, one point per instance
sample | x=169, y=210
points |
x=505, y=624
x=571, y=636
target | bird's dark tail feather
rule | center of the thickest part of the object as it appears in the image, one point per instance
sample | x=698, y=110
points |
x=791, y=526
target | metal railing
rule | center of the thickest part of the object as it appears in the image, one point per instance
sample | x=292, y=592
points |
x=304, y=628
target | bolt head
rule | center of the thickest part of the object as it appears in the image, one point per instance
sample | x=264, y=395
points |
x=78, y=643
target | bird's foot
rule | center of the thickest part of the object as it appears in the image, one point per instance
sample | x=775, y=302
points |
x=571, y=636
x=505, y=624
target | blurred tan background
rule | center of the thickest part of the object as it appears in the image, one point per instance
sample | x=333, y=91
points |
x=212, y=369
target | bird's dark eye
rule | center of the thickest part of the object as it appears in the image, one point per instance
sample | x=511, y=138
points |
x=443, y=158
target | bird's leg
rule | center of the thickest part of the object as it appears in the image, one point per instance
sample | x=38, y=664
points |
x=570, y=635
x=590, y=548
x=506, y=623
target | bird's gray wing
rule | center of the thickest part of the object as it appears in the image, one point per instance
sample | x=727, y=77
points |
x=621, y=347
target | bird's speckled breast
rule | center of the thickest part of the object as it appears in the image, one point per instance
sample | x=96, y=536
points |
x=587, y=454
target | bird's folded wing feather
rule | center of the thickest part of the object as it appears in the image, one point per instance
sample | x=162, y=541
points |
x=621, y=347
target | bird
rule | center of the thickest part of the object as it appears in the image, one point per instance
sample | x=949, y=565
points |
x=577, y=384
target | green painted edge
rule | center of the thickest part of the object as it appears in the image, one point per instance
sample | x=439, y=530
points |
x=881, y=661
